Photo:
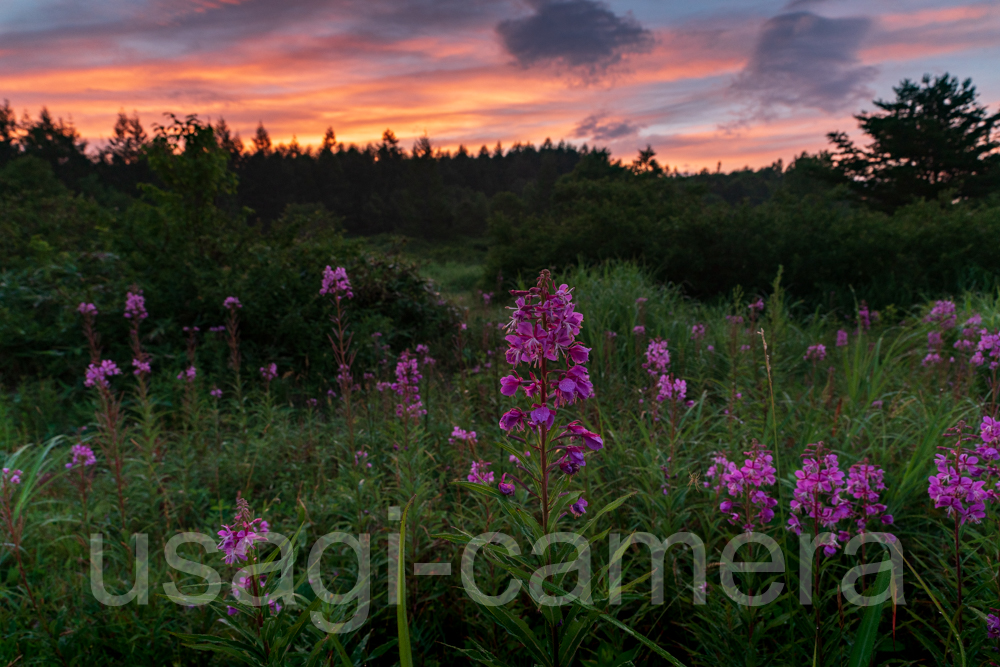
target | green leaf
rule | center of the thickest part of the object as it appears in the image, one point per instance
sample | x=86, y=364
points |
x=518, y=629
x=479, y=654
x=405, y=652
x=481, y=489
x=864, y=640
x=574, y=634
x=604, y=510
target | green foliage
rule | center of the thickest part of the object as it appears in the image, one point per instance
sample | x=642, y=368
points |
x=709, y=249
x=184, y=246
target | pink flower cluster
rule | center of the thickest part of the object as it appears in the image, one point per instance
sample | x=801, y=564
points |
x=841, y=338
x=188, y=375
x=269, y=372
x=697, y=331
x=942, y=314
x=954, y=488
x=657, y=357
x=752, y=506
x=11, y=476
x=815, y=353
x=135, y=306
x=82, y=456
x=988, y=346
x=231, y=303
x=427, y=359
x=86, y=308
x=720, y=466
x=239, y=537
x=669, y=388
x=817, y=495
x=141, y=367
x=463, y=435
x=864, y=482
x=757, y=306
x=478, y=473
x=407, y=385
x=361, y=457
x=99, y=374
x=336, y=283
x=546, y=329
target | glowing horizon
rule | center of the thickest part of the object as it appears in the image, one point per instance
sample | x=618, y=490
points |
x=726, y=82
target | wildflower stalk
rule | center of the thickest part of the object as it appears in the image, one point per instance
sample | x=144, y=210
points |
x=337, y=285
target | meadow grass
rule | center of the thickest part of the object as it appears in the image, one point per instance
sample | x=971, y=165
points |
x=186, y=460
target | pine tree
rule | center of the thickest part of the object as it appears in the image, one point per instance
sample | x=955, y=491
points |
x=932, y=138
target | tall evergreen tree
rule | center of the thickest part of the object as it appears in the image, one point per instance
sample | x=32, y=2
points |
x=934, y=137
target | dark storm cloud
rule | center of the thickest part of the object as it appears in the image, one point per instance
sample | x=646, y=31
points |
x=577, y=33
x=805, y=60
x=600, y=129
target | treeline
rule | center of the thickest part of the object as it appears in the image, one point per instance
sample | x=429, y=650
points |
x=910, y=213
x=184, y=242
x=377, y=188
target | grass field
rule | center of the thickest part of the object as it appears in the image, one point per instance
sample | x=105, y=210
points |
x=176, y=458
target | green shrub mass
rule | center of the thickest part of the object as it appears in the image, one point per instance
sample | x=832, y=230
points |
x=685, y=236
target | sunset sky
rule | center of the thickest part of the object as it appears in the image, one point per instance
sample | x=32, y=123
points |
x=742, y=82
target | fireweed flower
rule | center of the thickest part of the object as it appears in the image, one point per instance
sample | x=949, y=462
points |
x=215, y=393
x=579, y=508
x=752, y=506
x=954, y=489
x=135, y=305
x=817, y=494
x=188, y=375
x=336, y=283
x=505, y=487
x=988, y=346
x=697, y=331
x=231, y=303
x=407, y=385
x=757, y=306
x=542, y=333
x=657, y=357
x=931, y=359
x=141, y=367
x=841, y=338
x=241, y=535
x=462, y=435
x=269, y=372
x=942, y=314
x=11, y=476
x=639, y=330
x=361, y=457
x=720, y=466
x=82, y=456
x=864, y=483
x=478, y=473
x=669, y=388
x=86, y=308
x=993, y=625
x=989, y=433
x=815, y=353
x=427, y=359
x=99, y=374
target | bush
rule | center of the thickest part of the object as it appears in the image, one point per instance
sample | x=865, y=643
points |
x=710, y=247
